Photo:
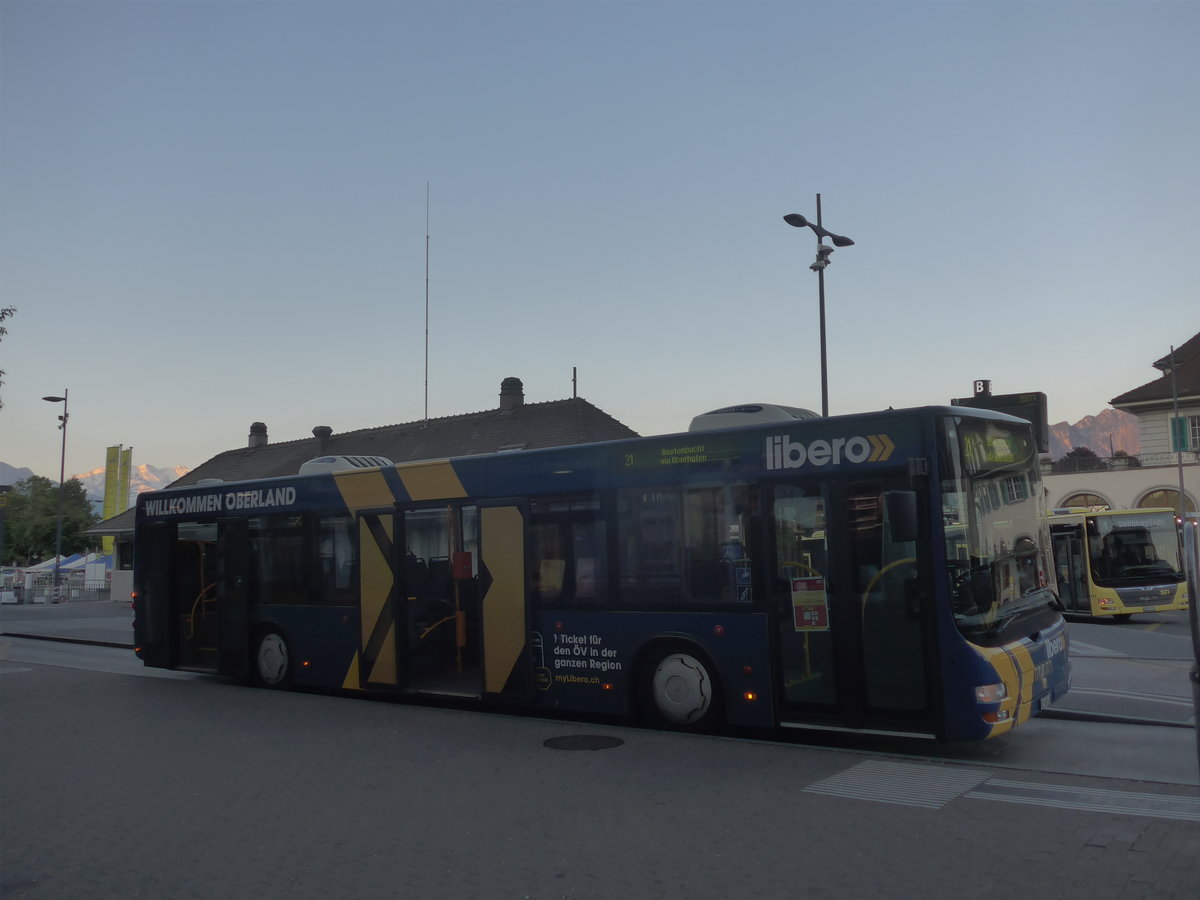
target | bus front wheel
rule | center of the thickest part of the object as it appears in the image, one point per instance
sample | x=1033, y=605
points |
x=272, y=663
x=679, y=691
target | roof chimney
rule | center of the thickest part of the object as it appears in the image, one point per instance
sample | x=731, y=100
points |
x=512, y=393
x=322, y=433
x=258, y=435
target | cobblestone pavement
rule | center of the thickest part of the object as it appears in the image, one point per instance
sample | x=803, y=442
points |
x=114, y=786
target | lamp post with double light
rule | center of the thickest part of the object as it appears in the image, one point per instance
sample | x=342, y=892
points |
x=824, y=251
x=62, y=471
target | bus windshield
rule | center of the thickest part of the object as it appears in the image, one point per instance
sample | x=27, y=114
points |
x=1141, y=548
x=996, y=540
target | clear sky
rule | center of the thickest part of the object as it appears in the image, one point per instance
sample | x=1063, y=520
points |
x=213, y=212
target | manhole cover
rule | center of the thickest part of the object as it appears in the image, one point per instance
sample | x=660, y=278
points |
x=583, y=742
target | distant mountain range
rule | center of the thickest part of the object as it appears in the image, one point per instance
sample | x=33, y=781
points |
x=142, y=478
x=1110, y=432
x=11, y=475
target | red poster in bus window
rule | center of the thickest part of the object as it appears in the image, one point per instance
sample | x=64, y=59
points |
x=810, y=604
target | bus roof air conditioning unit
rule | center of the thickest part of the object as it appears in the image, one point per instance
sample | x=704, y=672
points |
x=343, y=464
x=749, y=414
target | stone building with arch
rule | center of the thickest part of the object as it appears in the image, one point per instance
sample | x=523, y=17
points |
x=1152, y=478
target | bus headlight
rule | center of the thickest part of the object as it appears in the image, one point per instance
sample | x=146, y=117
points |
x=990, y=693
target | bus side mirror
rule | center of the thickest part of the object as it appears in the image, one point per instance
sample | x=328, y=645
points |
x=902, y=515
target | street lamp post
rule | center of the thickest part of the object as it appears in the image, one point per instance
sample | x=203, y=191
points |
x=823, y=253
x=1169, y=366
x=62, y=471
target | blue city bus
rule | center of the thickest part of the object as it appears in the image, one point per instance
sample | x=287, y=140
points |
x=883, y=573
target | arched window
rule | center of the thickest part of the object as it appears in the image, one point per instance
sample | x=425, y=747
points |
x=1166, y=497
x=1086, y=500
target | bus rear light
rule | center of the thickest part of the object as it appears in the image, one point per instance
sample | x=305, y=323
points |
x=306, y=664
x=718, y=630
x=606, y=687
x=749, y=696
x=747, y=670
x=990, y=693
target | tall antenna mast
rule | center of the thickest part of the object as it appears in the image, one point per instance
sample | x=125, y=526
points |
x=426, y=301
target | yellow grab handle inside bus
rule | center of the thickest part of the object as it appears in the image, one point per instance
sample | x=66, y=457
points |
x=880, y=574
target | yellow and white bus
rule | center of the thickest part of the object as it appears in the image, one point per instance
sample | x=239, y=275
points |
x=1117, y=562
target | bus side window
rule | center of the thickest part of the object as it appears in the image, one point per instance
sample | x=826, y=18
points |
x=568, y=551
x=280, y=554
x=683, y=547
x=337, y=555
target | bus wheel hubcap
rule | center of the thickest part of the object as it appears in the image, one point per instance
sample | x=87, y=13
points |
x=272, y=658
x=682, y=688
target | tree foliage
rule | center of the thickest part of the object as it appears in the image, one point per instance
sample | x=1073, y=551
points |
x=1080, y=459
x=32, y=521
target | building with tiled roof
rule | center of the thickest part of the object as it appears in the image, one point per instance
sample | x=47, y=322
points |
x=512, y=425
x=1154, y=402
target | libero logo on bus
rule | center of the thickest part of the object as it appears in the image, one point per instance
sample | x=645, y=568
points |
x=784, y=453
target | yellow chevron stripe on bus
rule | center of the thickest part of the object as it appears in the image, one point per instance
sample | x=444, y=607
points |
x=363, y=490
x=375, y=586
x=503, y=604
x=384, y=670
x=431, y=481
x=350, y=682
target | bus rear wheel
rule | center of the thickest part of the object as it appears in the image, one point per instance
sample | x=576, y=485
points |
x=679, y=691
x=272, y=662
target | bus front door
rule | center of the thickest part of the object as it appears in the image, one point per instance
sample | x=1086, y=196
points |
x=852, y=617
x=1071, y=567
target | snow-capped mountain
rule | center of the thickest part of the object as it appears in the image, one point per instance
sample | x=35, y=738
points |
x=141, y=478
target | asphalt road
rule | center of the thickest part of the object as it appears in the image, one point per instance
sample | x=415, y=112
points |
x=121, y=781
x=121, y=786
x=1130, y=691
